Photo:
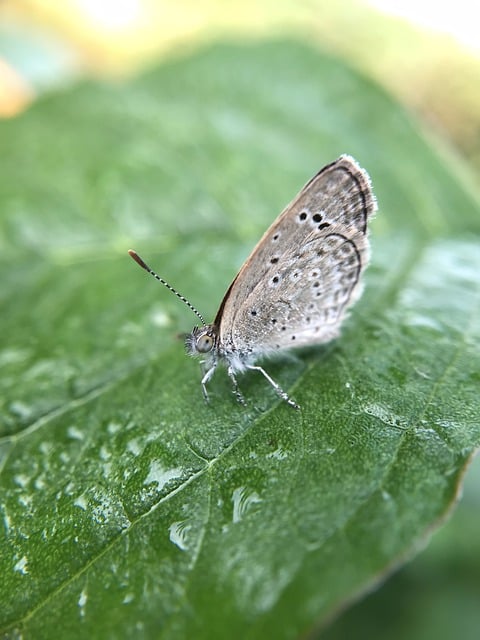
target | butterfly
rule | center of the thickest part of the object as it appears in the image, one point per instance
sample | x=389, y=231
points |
x=297, y=284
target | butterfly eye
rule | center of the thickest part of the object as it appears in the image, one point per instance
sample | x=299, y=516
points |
x=205, y=343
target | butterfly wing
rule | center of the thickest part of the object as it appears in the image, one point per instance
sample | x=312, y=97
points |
x=305, y=272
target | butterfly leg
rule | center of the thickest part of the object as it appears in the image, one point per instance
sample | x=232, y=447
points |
x=280, y=392
x=236, y=390
x=206, y=375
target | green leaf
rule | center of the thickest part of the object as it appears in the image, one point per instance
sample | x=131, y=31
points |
x=434, y=597
x=129, y=507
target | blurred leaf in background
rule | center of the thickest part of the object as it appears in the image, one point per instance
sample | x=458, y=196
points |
x=429, y=58
x=130, y=508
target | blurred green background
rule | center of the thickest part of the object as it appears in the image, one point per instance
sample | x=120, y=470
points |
x=426, y=54
x=48, y=45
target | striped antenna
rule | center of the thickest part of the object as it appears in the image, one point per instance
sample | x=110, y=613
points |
x=133, y=254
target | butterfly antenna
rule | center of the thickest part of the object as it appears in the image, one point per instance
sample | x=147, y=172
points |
x=133, y=254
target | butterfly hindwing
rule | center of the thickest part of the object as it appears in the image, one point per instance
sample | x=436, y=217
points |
x=301, y=277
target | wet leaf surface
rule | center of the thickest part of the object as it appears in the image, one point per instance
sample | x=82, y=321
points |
x=129, y=507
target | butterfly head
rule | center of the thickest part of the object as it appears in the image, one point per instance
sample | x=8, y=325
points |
x=202, y=340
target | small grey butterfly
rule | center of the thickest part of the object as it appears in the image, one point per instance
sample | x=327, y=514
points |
x=294, y=289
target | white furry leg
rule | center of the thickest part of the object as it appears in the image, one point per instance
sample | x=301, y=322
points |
x=280, y=392
x=206, y=377
x=236, y=390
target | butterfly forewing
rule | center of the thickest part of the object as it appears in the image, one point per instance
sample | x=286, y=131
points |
x=294, y=288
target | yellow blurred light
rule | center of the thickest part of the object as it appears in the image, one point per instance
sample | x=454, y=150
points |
x=15, y=94
x=458, y=19
x=111, y=15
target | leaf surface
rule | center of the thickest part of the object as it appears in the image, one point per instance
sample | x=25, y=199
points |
x=129, y=507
